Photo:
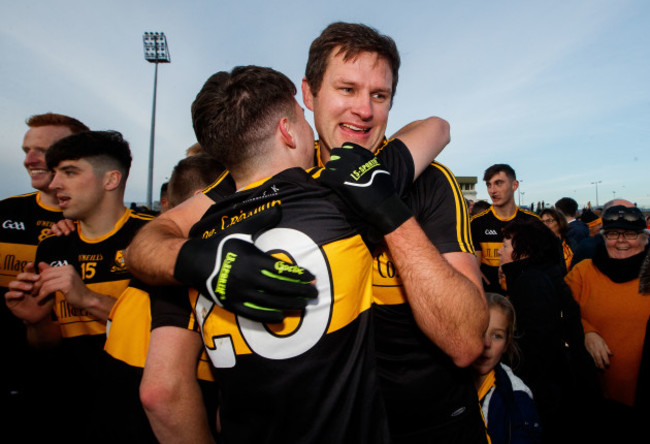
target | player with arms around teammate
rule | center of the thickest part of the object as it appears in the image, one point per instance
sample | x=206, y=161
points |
x=152, y=254
x=432, y=329
x=85, y=271
x=307, y=374
x=501, y=182
x=357, y=68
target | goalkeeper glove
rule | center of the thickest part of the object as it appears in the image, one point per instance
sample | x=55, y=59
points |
x=238, y=276
x=361, y=181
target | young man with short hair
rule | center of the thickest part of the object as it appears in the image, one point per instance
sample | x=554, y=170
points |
x=501, y=182
x=80, y=276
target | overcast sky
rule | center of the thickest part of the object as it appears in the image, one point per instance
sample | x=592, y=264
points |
x=560, y=90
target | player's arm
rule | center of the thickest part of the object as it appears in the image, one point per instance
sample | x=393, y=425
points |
x=66, y=280
x=467, y=265
x=425, y=139
x=228, y=268
x=152, y=254
x=169, y=390
x=450, y=307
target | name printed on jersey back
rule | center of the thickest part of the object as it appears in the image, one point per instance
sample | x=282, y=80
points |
x=230, y=220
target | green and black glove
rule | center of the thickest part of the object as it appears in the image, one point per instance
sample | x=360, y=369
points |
x=240, y=277
x=361, y=181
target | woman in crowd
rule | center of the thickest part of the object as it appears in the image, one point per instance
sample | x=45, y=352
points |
x=507, y=402
x=554, y=362
x=614, y=312
x=559, y=226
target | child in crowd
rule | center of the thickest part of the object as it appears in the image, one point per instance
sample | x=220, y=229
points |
x=507, y=402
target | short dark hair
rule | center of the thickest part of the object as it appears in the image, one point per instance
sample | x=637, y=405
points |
x=498, y=168
x=531, y=239
x=479, y=206
x=236, y=111
x=190, y=174
x=351, y=39
x=568, y=206
x=53, y=119
x=563, y=225
x=103, y=149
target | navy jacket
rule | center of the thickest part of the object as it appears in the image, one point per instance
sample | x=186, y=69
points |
x=511, y=413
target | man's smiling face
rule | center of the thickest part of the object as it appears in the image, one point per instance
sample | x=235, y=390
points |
x=353, y=102
x=36, y=142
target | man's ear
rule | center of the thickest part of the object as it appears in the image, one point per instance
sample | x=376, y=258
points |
x=515, y=185
x=307, y=96
x=284, y=126
x=112, y=180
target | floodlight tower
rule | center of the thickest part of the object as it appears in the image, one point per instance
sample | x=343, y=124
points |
x=596, y=183
x=155, y=51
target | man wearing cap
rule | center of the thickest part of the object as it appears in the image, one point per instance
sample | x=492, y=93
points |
x=614, y=313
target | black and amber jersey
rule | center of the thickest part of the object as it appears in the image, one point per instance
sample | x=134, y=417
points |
x=100, y=264
x=24, y=221
x=311, y=378
x=317, y=365
x=141, y=308
x=223, y=187
x=487, y=237
x=428, y=398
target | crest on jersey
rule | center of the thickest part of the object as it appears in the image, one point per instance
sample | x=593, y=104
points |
x=119, y=263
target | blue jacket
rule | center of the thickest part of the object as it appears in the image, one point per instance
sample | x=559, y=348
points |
x=510, y=410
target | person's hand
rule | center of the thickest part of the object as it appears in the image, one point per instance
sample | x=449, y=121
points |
x=238, y=276
x=598, y=349
x=357, y=176
x=63, y=227
x=23, y=298
x=64, y=279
